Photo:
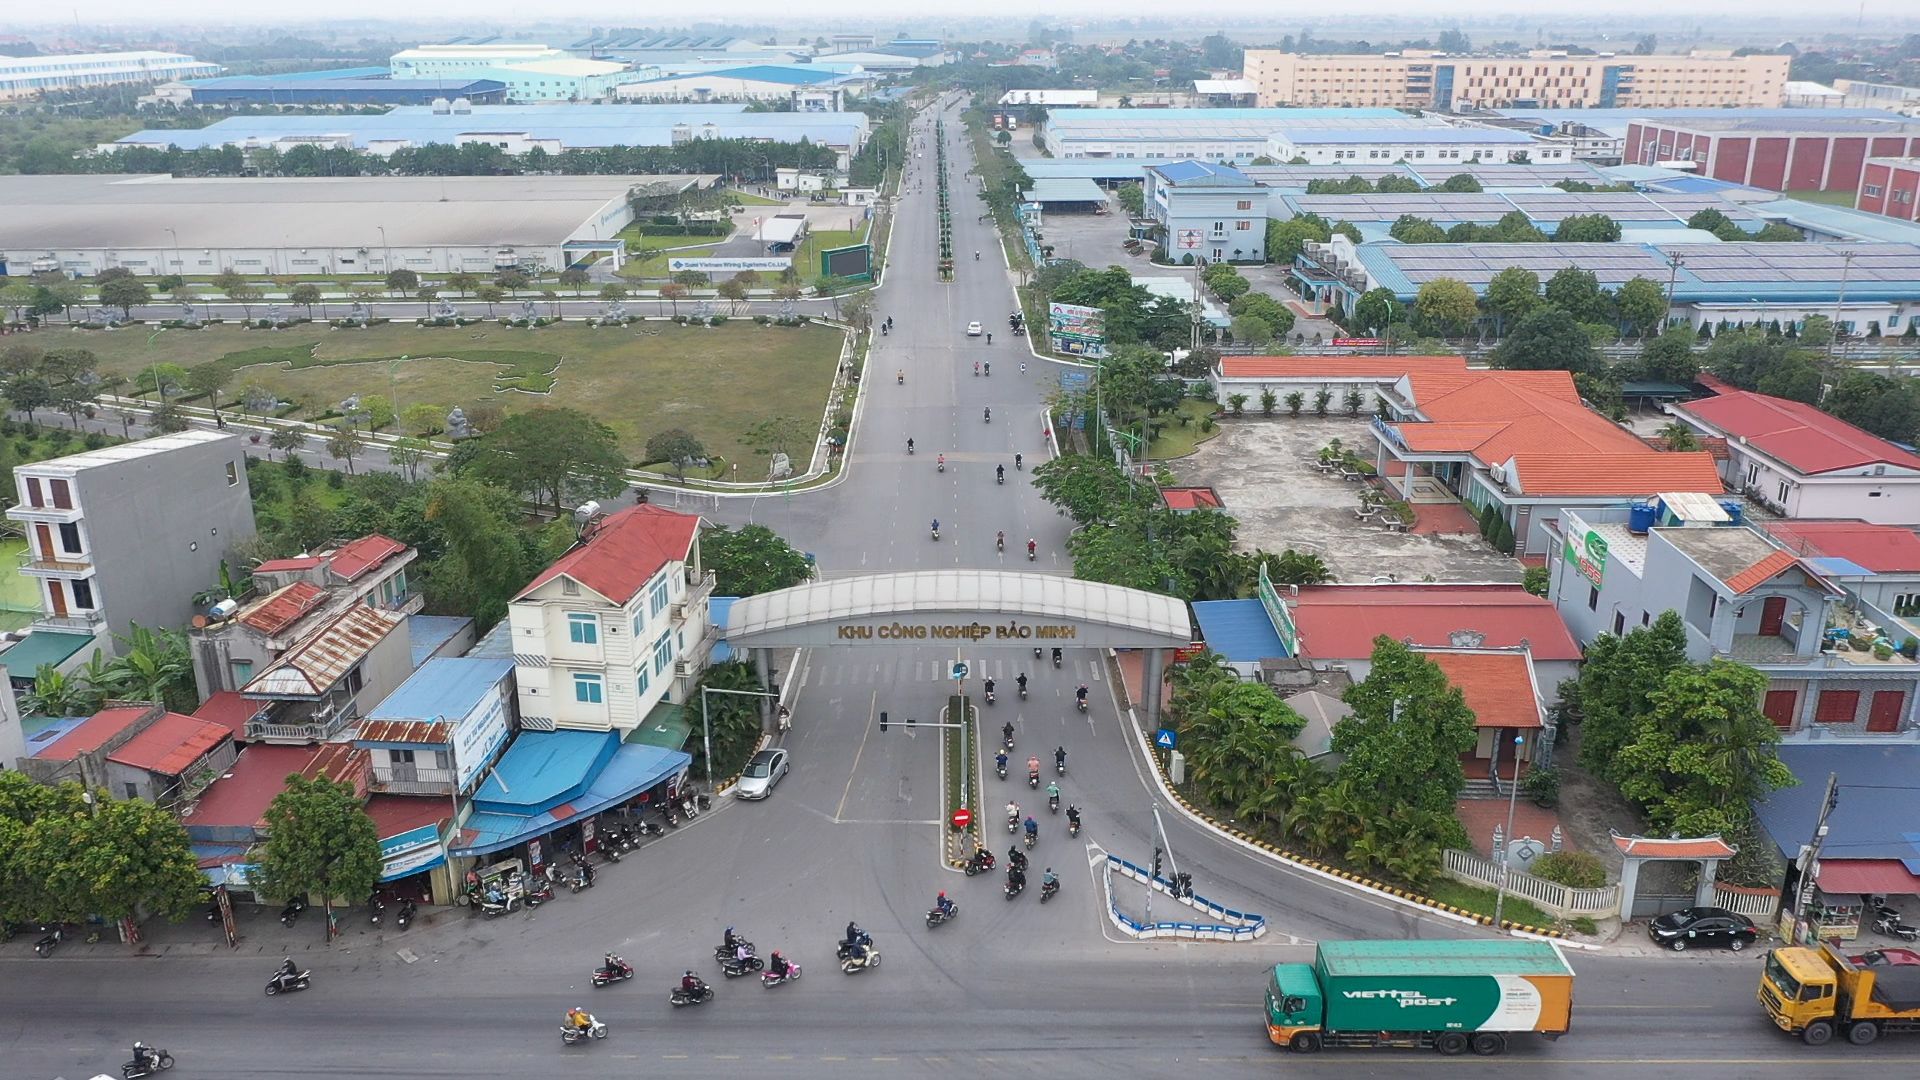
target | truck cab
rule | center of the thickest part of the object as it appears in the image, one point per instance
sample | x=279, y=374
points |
x=1818, y=993
x=1797, y=989
x=1296, y=1012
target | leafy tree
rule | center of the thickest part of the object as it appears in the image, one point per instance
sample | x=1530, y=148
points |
x=153, y=665
x=246, y=294
x=1295, y=401
x=1719, y=224
x=1537, y=580
x=575, y=278
x=17, y=295
x=62, y=860
x=1669, y=357
x=1085, y=487
x=614, y=292
x=1587, y=229
x=1445, y=307
x=1288, y=237
x=1511, y=294
x=1679, y=437
x=1546, y=339
x=1703, y=751
x=306, y=294
x=485, y=560
x=1577, y=292
x=734, y=720
x=1778, y=232
x=464, y=282
x=28, y=392
x=1890, y=408
x=489, y=295
x=677, y=448
x=1132, y=198
x=555, y=457
x=208, y=380
x=1292, y=567
x=56, y=694
x=401, y=280
x=408, y=453
x=1253, y=330
x=319, y=841
x=1407, y=732
x=672, y=292
x=1615, y=683
x=1375, y=310
x=1461, y=183
x=125, y=293
x=751, y=559
x=168, y=418
x=1796, y=380
x=1409, y=229
x=733, y=292
x=1641, y=305
x=1265, y=308
x=286, y=440
x=344, y=444
x=422, y=419
x=512, y=281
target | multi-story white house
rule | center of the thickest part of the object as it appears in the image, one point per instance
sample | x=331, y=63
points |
x=1209, y=211
x=616, y=626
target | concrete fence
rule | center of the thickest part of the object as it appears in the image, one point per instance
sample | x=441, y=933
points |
x=1227, y=924
x=1562, y=901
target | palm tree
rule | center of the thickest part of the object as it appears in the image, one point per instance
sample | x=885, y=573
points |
x=155, y=667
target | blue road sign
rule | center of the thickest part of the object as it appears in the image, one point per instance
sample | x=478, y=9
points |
x=959, y=669
x=1163, y=738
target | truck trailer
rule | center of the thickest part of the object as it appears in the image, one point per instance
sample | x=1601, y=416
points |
x=1449, y=996
x=1817, y=993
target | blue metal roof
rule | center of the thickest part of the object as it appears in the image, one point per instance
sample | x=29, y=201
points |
x=1878, y=809
x=1239, y=630
x=1064, y=191
x=1839, y=221
x=574, y=125
x=1693, y=185
x=445, y=688
x=717, y=609
x=429, y=632
x=495, y=644
x=1436, y=135
x=558, y=777
x=292, y=76
x=1078, y=117
x=792, y=76
x=1188, y=170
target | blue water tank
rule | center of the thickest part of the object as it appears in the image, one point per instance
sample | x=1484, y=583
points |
x=1640, y=518
x=1735, y=509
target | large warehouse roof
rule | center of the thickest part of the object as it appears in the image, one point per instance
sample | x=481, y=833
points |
x=574, y=125
x=66, y=212
x=1614, y=121
x=1548, y=207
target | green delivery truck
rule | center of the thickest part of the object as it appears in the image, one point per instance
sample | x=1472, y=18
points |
x=1450, y=996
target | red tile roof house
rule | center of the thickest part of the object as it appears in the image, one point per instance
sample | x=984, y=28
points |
x=291, y=600
x=1336, y=625
x=137, y=750
x=1371, y=375
x=1523, y=442
x=1803, y=463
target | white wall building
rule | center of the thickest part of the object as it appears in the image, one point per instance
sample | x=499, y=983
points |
x=1329, y=147
x=616, y=626
x=1805, y=463
x=27, y=76
x=532, y=72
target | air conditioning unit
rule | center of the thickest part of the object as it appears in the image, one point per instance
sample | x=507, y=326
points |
x=678, y=612
x=683, y=669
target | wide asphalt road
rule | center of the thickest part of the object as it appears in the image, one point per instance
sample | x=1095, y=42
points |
x=1012, y=988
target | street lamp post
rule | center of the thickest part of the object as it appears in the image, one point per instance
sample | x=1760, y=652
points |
x=386, y=252
x=1513, y=794
x=176, y=247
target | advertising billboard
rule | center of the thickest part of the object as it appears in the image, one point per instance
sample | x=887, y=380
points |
x=1081, y=331
x=1586, y=550
x=854, y=263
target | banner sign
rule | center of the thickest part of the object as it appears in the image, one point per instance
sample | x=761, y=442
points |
x=727, y=266
x=1586, y=550
x=1278, y=614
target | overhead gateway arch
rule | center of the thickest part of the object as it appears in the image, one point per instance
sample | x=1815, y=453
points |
x=974, y=609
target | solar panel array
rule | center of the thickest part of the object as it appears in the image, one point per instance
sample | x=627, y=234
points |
x=1439, y=206
x=1300, y=175
x=1510, y=175
x=1544, y=208
x=1812, y=263
x=1476, y=264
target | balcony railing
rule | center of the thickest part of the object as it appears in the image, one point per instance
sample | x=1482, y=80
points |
x=316, y=727
x=86, y=622
x=72, y=564
x=409, y=780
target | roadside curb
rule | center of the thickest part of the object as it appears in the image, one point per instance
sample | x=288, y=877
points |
x=1394, y=893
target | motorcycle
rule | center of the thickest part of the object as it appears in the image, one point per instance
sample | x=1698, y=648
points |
x=692, y=807
x=213, y=912
x=1033, y=778
x=1036, y=648
x=621, y=972
x=1056, y=658
x=1023, y=691
x=283, y=983
x=943, y=466
x=842, y=950
x=160, y=1062
x=610, y=850
x=909, y=449
x=999, y=478
x=404, y=917
x=291, y=913
x=734, y=967
x=1081, y=703
x=1007, y=744
x=722, y=952
x=594, y=1030
x=1031, y=557
x=45, y=946
x=493, y=907
x=989, y=697
x=853, y=966
x=1059, y=766
x=1013, y=822
x=935, y=917
x=1053, y=804
x=1073, y=827
x=375, y=906
x=769, y=980
x=1002, y=770
x=581, y=879
x=539, y=894
x=1013, y=889
x=1048, y=889
x=936, y=532
x=981, y=862
x=1032, y=839
x=682, y=996
x=672, y=819
x=1890, y=924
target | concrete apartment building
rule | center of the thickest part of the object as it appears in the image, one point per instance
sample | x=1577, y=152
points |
x=126, y=534
x=1211, y=211
x=1417, y=79
x=30, y=76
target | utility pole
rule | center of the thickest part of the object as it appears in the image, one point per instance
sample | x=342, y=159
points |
x=1840, y=301
x=1810, y=864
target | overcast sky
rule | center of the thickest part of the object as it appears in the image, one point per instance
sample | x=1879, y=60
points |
x=820, y=13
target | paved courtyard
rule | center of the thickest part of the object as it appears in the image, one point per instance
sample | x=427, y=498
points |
x=1263, y=470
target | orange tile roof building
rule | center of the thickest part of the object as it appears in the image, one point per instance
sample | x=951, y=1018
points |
x=1523, y=443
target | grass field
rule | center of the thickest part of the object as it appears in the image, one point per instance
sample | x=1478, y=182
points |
x=714, y=382
x=1177, y=440
x=1826, y=198
x=19, y=594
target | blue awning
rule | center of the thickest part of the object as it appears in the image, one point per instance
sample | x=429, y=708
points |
x=632, y=769
x=1239, y=630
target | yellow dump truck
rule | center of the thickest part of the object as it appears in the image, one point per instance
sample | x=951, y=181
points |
x=1816, y=993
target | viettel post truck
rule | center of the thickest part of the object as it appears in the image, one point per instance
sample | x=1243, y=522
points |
x=1450, y=996
x=1814, y=993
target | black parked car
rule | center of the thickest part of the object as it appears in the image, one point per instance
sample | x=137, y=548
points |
x=1702, y=926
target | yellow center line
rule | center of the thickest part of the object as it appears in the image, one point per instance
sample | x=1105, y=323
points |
x=873, y=706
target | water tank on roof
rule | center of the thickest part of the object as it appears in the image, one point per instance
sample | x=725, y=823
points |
x=682, y=133
x=462, y=106
x=223, y=610
x=441, y=105
x=1640, y=518
x=1734, y=508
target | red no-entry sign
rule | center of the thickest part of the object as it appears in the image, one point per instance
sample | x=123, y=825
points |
x=962, y=818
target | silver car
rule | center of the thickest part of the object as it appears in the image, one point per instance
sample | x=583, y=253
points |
x=763, y=771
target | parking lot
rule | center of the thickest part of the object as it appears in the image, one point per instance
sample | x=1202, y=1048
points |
x=1263, y=470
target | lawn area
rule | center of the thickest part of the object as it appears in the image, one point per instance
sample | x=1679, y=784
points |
x=806, y=259
x=1480, y=900
x=19, y=594
x=1177, y=439
x=749, y=199
x=1827, y=198
x=714, y=382
x=650, y=260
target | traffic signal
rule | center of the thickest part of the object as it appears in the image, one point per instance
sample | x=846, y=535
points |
x=1156, y=861
x=883, y=721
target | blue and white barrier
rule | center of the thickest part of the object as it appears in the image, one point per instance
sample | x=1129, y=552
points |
x=1230, y=925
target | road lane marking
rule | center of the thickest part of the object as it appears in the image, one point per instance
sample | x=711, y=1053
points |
x=872, y=706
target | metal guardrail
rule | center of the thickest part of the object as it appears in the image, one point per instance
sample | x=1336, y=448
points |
x=1233, y=925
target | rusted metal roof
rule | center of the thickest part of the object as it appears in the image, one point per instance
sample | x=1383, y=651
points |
x=309, y=669
x=283, y=607
x=404, y=731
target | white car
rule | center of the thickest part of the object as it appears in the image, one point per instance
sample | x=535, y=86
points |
x=763, y=771
x=973, y=329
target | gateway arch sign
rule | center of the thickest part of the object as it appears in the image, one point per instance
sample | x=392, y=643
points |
x=979, y=608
